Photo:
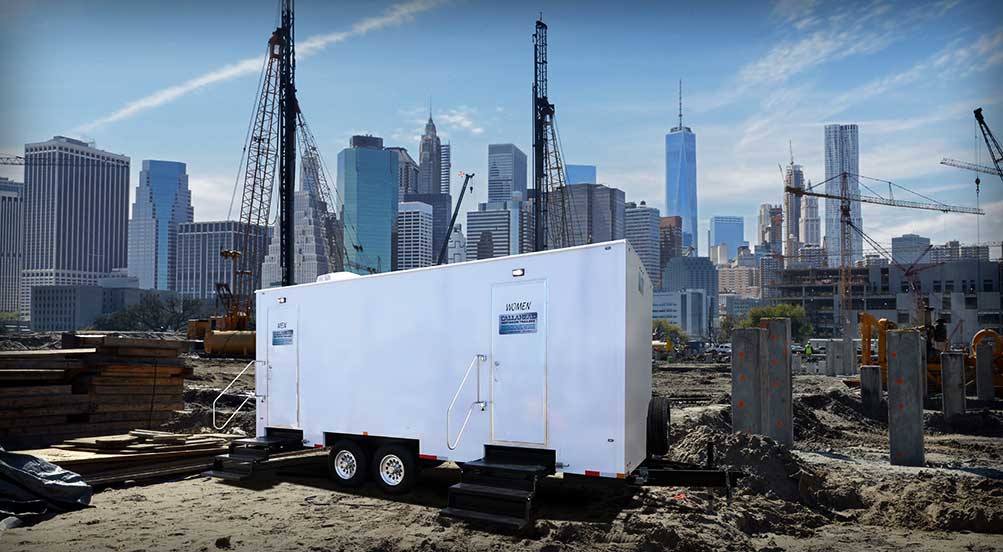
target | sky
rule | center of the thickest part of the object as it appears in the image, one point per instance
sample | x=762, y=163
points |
x=177, y=81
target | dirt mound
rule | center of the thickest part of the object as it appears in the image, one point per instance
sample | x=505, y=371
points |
x=936, y=502
x=982, y=422
x=771, y=469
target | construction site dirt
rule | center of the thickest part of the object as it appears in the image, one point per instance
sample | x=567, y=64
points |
x=834, y=491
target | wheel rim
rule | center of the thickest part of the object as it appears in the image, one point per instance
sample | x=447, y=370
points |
x=392, y=470
x=345, y=465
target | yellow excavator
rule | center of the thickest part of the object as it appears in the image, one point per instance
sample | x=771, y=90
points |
x=871, y=326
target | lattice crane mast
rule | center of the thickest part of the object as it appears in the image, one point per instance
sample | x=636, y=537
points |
x=995, y=151
x=550, y=206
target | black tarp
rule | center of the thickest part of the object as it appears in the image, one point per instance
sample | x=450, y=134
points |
x=31, y=487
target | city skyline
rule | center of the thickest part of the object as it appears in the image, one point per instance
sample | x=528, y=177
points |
x=744, y=125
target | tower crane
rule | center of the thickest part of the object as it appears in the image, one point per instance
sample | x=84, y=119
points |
x=846, y=225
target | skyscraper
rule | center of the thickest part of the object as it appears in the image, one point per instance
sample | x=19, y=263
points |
x=407, y=170
x=313, y=220
x=442, y=205
x=641, y=230
x=429, y=161
x=199, y=264
x=506, y=172
x=681, y=177
x=457, y=246
x=595, y=213
x=811, y=225
x=368, y=178
x=76, y=213
x=793, y=178
x=842, y=154
x=670, y=241
x=163, y=201
x=499, y=228
x=445, y=167
x=729, y=231
x=771, y=227
x=910, y=248
x=414, y=235
x=580, y=174
x=11, y=194
x=686, y=273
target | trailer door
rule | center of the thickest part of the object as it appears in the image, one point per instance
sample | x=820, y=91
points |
x=519, y=362
x=283, y=366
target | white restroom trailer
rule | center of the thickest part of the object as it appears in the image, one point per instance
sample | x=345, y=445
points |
x=547, y=351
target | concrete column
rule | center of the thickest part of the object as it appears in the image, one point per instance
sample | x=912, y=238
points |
x=952, y=378
x=849, y=366
x=748, y=351
x=984, y=389
x=906, y=374
x=870, y=390
x=776, y=380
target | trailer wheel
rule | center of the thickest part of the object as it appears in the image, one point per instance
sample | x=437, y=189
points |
x=394, y=469
x=347, y=463
x=658, y=426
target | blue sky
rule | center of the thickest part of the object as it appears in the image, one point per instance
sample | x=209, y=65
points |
x=163, y=80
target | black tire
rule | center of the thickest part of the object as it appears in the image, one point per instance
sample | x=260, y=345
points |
x=658, y=426
x=394, y=469
x=347, y=463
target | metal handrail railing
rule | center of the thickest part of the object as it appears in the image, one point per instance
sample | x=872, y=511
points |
x=477, y=361
x=223, y=392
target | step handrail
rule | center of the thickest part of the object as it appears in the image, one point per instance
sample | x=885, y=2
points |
x=476, y=362
x=223, y=392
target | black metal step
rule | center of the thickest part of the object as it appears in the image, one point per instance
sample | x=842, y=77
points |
x=471, y=515
x=498, y=501
x=227, y=475
x=485, y=490
x=497, y=467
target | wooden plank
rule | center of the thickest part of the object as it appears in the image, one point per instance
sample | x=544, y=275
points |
x=70, y=429
x=77, y=460
x=155, y=416
x=108, y=360
x=140, y=352
x=113, y=380
x=32, y=390
x=137, y=399
x=7, y=403
x=158, y=389
x=153, y=471
x=97, y=340
x=53, y=410
x=138, y=407
x=46, y=353
x=34, y=420
x=40, y=363
x=141, y=371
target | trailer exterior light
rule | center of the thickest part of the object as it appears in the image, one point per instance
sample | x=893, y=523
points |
x=518, y=272
x=282, y=299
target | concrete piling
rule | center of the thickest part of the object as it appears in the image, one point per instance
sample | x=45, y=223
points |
x=984, y=389
x=906, y=377
x=748, y=351
x=952, y=378
x=870, y=390
x=776, y=380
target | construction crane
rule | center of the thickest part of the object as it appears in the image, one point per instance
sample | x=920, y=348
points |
x=551, y=224
x=846, y=224
x=974, y=167
x=452, y=220
x=995, y=151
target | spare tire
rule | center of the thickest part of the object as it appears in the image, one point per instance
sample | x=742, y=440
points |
x=658, y=426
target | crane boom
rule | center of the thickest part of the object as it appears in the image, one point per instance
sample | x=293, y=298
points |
x=944, y=208
x=974, y=167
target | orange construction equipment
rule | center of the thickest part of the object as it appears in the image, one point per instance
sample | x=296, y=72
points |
x=869, y=325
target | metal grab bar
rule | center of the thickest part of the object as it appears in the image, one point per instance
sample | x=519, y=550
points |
x=477, y=361
x=223, y=392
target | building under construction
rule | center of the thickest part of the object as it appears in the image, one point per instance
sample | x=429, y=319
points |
x=965, y=293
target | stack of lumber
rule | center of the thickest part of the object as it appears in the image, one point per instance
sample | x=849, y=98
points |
x=138, y=454
x=94, y=385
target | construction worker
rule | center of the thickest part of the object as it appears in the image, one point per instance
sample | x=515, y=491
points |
x=808, y=351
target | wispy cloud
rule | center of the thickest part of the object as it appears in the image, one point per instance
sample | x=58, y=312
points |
x=394, y=15
x=461, y=118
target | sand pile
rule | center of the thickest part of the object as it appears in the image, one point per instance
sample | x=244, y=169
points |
x=933, y=501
